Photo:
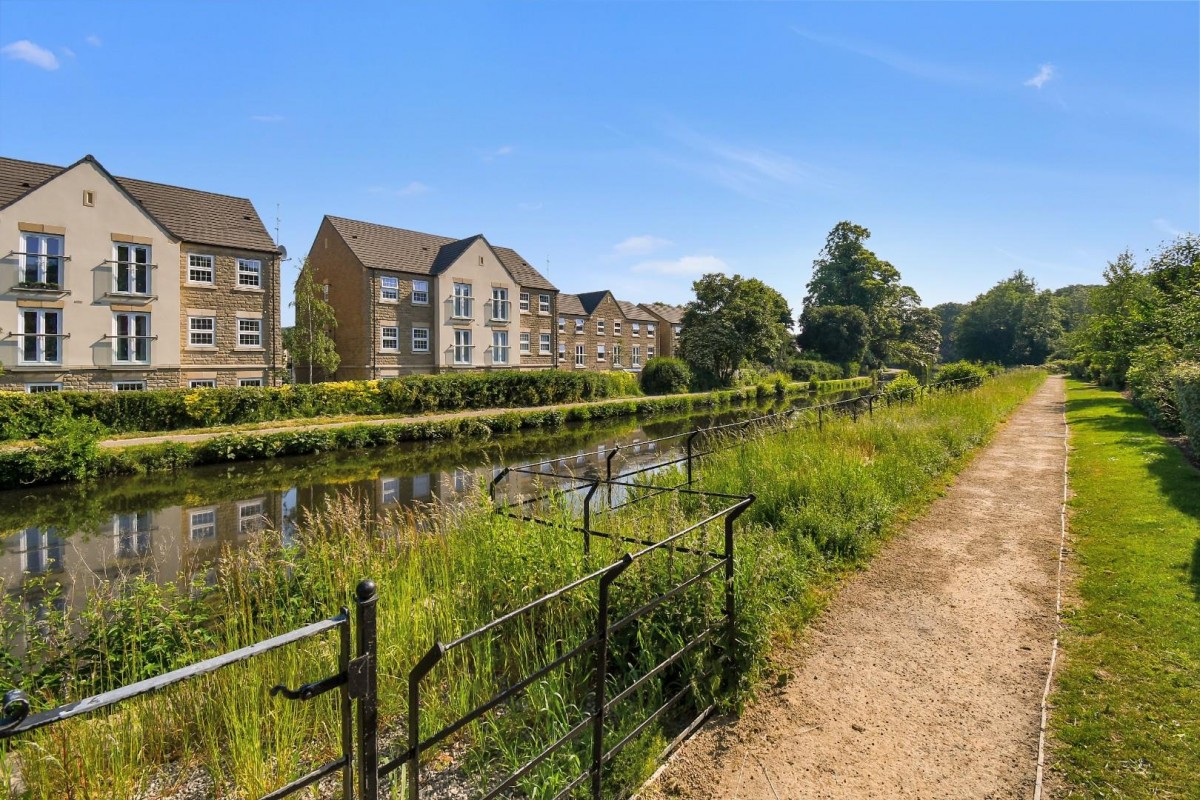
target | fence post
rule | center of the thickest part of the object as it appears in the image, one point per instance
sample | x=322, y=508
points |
x=365, y=597
x=730, y=596
x=690, y=439
x=344, y=656
x=871, y=405
x=820, y=418
x=495, y=481
x=413, y=769
x=587, y=518
x=608, y=492
x=601, y=674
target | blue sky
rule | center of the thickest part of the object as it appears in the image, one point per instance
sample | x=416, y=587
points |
x=633, y=146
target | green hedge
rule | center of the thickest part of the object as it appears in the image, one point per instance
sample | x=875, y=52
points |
x=1186, y=378
x=957, y=370
x=30, y=416
x=808, y=369
x=1151, y=385
x=663, y=375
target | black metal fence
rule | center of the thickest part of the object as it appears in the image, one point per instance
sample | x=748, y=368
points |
x=714, y=632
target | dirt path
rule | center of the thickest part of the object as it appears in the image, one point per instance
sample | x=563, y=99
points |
x=923, y=679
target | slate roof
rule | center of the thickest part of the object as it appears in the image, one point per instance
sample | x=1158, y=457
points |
x=569, y=304
x=635, y=312
x=385, y=247
x=672, y=314
x=589, y=300
x=189, y=214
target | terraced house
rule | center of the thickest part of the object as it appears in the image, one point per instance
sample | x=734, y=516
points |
x=598, y=332
x=669, y=322
x=120, y=284
x=409, y=302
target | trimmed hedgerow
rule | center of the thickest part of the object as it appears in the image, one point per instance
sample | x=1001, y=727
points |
x=1186, y=378
x=31, y=416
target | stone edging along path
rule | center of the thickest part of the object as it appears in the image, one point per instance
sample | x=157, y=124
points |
x=924, y=677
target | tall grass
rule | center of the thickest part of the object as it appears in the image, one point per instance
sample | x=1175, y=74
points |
x=825, y=498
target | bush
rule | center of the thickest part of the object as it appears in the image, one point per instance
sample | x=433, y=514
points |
x=959, y=370
x=1186, y=379
x=662, y=375
x=808, y=370
x=1149, y=381
x=903, y=387
x=29, y=416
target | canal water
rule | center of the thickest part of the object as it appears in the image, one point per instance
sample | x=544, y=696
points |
x=169, y=526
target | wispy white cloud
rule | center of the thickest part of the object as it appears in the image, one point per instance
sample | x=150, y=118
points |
x=1163, y=226
x=93, y=40
x=68, y=52
x=901, y=62
x=1044, y=74
x=687, y=265
x=30, y=53
x=641, y=245
x=268, y=118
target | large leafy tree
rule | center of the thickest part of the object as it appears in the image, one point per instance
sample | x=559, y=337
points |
x=731, y=322
x=839, y=334
x=846, y=273
x=918, y=345
x=1011, y=323
x=948, y=314
x=310, y=343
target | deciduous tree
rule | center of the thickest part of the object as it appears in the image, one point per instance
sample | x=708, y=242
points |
x=731, y=322
x=310, y=343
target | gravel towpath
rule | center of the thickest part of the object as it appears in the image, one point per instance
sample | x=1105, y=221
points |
x=923, y=678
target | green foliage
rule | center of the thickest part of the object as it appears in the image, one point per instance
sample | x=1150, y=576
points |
x=839, y=334
x=1186, y=380
x=28, y=416
x=1149, y=379
x=662, y=375
x=959, y=370
x=309, y=342
x=731, y=322
x=1011, y=323
x=903, y=387
x=808, y=370
x=948, y=314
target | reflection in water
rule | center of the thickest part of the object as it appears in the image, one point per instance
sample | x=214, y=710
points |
x=169, y=527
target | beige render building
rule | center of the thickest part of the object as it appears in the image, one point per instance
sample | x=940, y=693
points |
x=409, y=302
x=114, y=283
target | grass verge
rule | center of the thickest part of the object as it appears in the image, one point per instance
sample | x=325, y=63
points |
x=1126, y=713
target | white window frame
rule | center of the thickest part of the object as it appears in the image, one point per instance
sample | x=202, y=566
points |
x=201, y=263
x=254, y=521
x=601, y=354
x=616, y=355
x=249, y=338
x=543, y=344
x=543, y=304
x=463, y=301
x=210, y=332
x=616, y=327
x=385, y=336
x=650, y=328
x=600, y=327
x=122, y=265
x=38, y=540
x=250, y=383
x=579, y=326
x=135, y=339
x=205, y=529
x=43, y=387
x=202, y=383
x=420, y=293
x=525, y=342
x=249, y=273
x=129, y=386
x=649, y=352
x=562, y=324
x=389, y=288
x=562, y=351
x=463, y=347
x=524, y=302
x=500, y=347
x=676, y=329
x=389, y=491
x=41, y=257
x=580, y=356
x=131, y=540
x=501, y=310
x=635, y=329
x=420, y=344
x=41, y=337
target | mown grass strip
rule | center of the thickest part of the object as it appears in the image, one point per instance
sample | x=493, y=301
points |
x=1126, y=713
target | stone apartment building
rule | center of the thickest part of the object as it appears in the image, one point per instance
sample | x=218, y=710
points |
x=409, y=302
x=598, y=332
x=119, y=284
x=669, y=321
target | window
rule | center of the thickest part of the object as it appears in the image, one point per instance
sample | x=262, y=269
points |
x=89, y=197
x=43, y=260
x=202, y=331
x=599, y=327
x=249, y=333
x=524, y=342
x=637, y=356
x=637, y=329
x=389, y=338
x=499, y=304
x=247, y=383
x=616, y=355
x=420, y=293
x=462, y=347
x=676, y=329
x=132, y=273
x=462, y=300
x=200, y=268
x=650, y=351
x=129, y=386
x=40, y=331
x=389, y=288
x=202, y=524
x=132, y=534
x=562, y=324
x=389, y=491
x=249, y=272
x=617, y=327
x=202, y=383
x=525, y=301
x=420, y=340
x=41, y=551
x=649, y=328
x=544, y=303
x=132, y=338
x=562, y=351
x=499, y=347
x=252, y=516
x=421, y=485
x=579, y=327
x=579, y=355
x=42, y=388
x=599, y=352
x=544, y=344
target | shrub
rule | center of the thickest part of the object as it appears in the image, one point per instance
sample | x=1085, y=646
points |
x=958, y=370
x=1186, y=378
x=903, y=387
x=1149, y=381
x=808, y=370
x=662, y=375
